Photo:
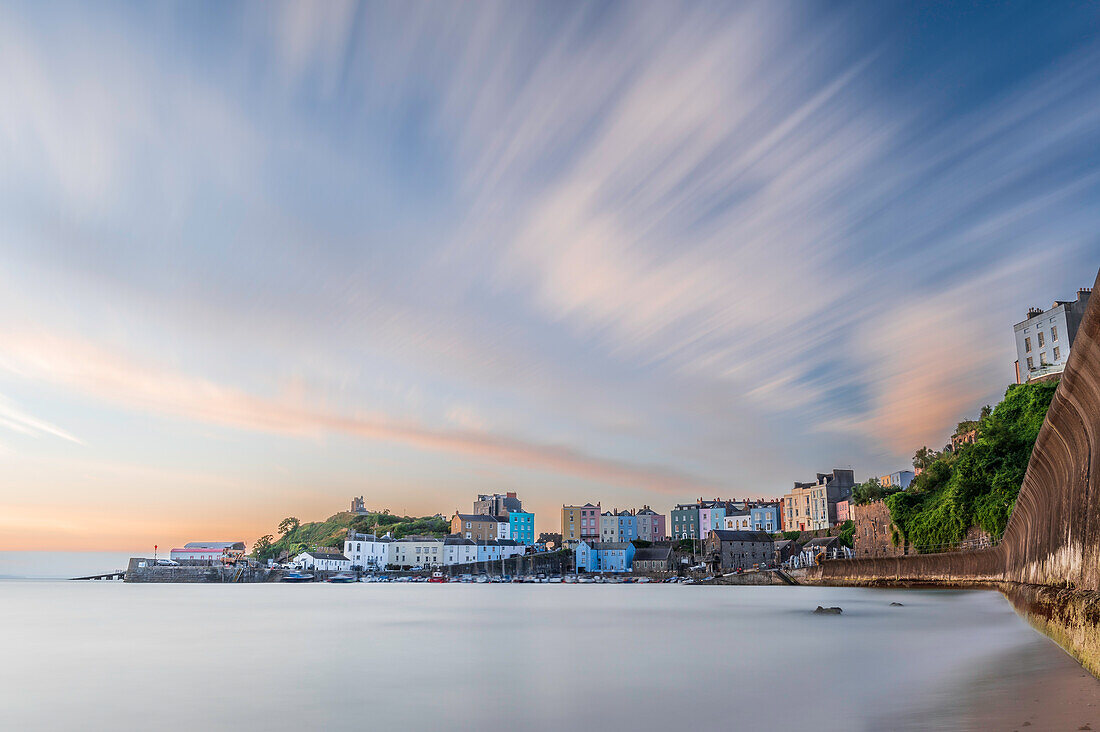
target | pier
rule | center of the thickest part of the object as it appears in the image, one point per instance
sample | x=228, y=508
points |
x=120, y=574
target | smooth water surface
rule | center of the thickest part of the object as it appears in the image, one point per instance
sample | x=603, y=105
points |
x=108, y=656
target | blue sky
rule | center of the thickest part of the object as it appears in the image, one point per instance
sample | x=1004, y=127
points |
x=259, y=258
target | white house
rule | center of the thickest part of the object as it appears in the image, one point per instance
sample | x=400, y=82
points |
x=209, y=551
x=738, y=521
x=609, y=527
x=511, y=548
x=459, y=551
x=416, y=551
x=1044, y=337
x=504, y=527
x=323, y=560
x=367, y=551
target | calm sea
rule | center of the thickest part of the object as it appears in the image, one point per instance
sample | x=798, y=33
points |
x=61, y=565
x=112, y=656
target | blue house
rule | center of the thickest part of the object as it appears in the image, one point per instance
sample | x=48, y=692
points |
x=628, y=526
x=765, y=517
x=617, y=556
x=522, y=526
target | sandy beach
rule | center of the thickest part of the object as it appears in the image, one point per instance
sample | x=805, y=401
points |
x=1060, y=696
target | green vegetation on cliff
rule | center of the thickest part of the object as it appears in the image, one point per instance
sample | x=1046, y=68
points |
x=296, y=537
x=977, y=484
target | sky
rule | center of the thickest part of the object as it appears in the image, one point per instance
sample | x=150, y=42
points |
x=259, y=258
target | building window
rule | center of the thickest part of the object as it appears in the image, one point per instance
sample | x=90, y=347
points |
x=1027, y=345
x=1057, y=353
x=1054, y=333
x=1042, y=339
x=1043, y=358
x=1030, y=363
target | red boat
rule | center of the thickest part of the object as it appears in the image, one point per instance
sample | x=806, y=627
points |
x=437, y=577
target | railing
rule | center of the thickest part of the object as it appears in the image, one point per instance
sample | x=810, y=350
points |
x=967, y=545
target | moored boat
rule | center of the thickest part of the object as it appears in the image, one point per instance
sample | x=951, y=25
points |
x=297, y=577
x=437, y=577
x=341, y=578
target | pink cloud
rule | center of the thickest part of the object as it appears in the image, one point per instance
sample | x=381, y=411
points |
x=115, y=378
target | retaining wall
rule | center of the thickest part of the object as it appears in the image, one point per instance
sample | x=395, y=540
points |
x=1048, y=562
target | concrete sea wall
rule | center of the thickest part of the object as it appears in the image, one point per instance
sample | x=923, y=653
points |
x=1048, y=563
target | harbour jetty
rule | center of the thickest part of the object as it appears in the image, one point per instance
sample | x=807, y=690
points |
x=142, y=569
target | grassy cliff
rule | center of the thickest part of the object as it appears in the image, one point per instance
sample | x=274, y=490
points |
x=977, y=484
x=295, y=537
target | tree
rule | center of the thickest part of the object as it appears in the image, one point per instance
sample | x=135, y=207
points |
x=264, y=548
x=872, y=490
x=290, y=523
x=924, y=458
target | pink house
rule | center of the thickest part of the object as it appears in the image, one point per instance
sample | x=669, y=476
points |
x=590, y=522
x=706, y=521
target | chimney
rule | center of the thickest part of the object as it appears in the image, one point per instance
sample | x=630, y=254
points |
x=1032, y=312
x=511, y=494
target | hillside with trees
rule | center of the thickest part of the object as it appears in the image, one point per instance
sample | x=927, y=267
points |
x=295, y=537
x=975, y=484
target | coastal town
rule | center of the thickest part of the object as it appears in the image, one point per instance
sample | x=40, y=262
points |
x=831, y=517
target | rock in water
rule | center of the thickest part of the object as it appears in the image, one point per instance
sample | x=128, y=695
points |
x=827, y=611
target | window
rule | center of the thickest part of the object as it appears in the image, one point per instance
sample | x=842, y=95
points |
x=1054, y=333
x=1042, y=339
x=1043, y=358
x=1030, y=363
x=1057, y=353
x=1027, y=345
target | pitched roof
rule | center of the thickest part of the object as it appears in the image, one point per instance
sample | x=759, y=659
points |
x=605, y=545
x=726, y=535
x=329, y=555
x=477, y=517
x=653, y=554
x=214, y=545
x=821, y=541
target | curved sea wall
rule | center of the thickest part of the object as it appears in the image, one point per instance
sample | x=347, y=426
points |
x=1048, y=563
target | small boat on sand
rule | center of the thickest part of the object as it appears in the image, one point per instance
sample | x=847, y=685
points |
x=341, y=578
x=297, y=577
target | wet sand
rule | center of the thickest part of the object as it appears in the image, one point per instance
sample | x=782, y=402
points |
x=1054, y=693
